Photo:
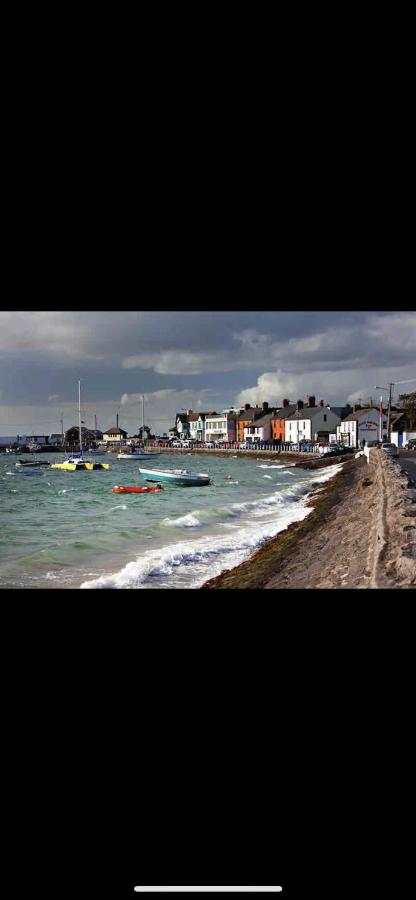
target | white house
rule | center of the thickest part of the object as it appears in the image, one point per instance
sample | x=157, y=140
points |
x=197, y=425
x=313, y=423
x=182, y=425
x=361, y=425
x=221, y=427
x=260, y=430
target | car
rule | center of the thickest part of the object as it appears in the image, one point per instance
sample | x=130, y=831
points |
x=390, y=449
x=209, y=445
x=410, y=445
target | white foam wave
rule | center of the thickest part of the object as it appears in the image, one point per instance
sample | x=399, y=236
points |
x=188, y=521
x=267, y=476
x=117, y=507
x=206, y=556
x=264, y=466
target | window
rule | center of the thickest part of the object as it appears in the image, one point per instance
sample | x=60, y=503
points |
x=324, y=417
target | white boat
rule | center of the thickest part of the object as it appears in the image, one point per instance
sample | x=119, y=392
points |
x=137, y=455
x=176, y=476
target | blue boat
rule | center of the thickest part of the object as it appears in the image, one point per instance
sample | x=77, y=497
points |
x=176, y=476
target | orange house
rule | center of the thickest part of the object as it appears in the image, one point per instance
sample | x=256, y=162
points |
x=279, y=420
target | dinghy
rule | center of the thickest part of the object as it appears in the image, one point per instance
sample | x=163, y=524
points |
x=123, y=489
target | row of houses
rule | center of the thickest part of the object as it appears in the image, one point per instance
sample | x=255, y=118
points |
x=292, y=422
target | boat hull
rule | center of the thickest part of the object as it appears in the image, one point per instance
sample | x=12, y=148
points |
x=187, y=480
x=81, y=467
x=118, y=489
x=136, y=455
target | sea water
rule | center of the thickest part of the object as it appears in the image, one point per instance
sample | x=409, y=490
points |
x=67, y=529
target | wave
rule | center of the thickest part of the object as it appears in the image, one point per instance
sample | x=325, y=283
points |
x=188, y=521
x=189, y=563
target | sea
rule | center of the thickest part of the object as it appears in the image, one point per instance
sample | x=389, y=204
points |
x=68, y=530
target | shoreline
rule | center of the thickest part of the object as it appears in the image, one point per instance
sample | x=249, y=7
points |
x=268, y=563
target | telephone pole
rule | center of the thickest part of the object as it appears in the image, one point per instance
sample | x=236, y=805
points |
x=62, y=428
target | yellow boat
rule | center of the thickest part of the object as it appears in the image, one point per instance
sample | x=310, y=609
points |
x=76, y=461
x=79, y=465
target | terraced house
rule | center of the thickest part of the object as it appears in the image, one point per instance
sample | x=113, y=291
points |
x=278, y=421
x=222, y=427
x=247, y=417
x=197, y=424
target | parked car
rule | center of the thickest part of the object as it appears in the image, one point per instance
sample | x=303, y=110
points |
x=410, y=445
x=176, y=444
x=209, y=445
x=390, y=449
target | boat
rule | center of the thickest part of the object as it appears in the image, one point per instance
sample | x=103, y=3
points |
x=123, y=489
x=176, y=476
x=28, y=463
x=137, y=455
x=76, y=462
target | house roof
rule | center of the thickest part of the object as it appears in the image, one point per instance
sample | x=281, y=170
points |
x=263, y=420
x=285, y=411
x=250, y=415
x=115, y=431
x=358, y=413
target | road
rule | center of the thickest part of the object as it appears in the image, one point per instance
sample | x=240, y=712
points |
x=407, y=459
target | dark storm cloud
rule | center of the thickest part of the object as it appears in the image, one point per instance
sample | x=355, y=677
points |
x=174, y=356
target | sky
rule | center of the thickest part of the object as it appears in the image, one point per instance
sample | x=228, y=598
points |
x=191, y=360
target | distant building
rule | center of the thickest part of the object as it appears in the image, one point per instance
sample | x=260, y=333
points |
x=278, y=421
x=362, y=425
x=182, y=425
x=313, y=423
x=197, y=424
x=247, y=416
x=115, y=435
x=221, y=427
x=261, y=428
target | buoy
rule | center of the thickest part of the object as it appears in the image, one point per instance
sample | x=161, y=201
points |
x=134, y=490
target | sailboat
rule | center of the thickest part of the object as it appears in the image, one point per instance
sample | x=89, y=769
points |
x=76, y=462
x=139, y=454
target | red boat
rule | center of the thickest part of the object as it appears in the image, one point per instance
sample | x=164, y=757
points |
x=135, y=490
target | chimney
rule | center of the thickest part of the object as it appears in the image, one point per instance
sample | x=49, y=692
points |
x=246, y=406
x=311, y=401
x=265, y=405
x=285, y=402
x=321, y=403
x=300, y=404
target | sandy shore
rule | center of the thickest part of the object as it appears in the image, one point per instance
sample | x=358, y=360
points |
x=358, y=535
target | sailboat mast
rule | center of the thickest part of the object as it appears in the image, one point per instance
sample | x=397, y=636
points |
x=79, y=416
x=143, y=418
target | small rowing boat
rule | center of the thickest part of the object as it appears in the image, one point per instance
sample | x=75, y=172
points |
x=176, y=476
x=122, y=489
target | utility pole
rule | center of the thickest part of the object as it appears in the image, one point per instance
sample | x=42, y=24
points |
x=391, y=385
x=143, y=418
x=62, y=428
x=95, y=426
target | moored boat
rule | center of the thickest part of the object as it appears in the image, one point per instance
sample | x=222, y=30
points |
x=76, y=462
x=176, y=476
x=137, y=455
x=30, y=463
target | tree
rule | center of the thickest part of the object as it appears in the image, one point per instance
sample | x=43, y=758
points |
x=408, y=402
